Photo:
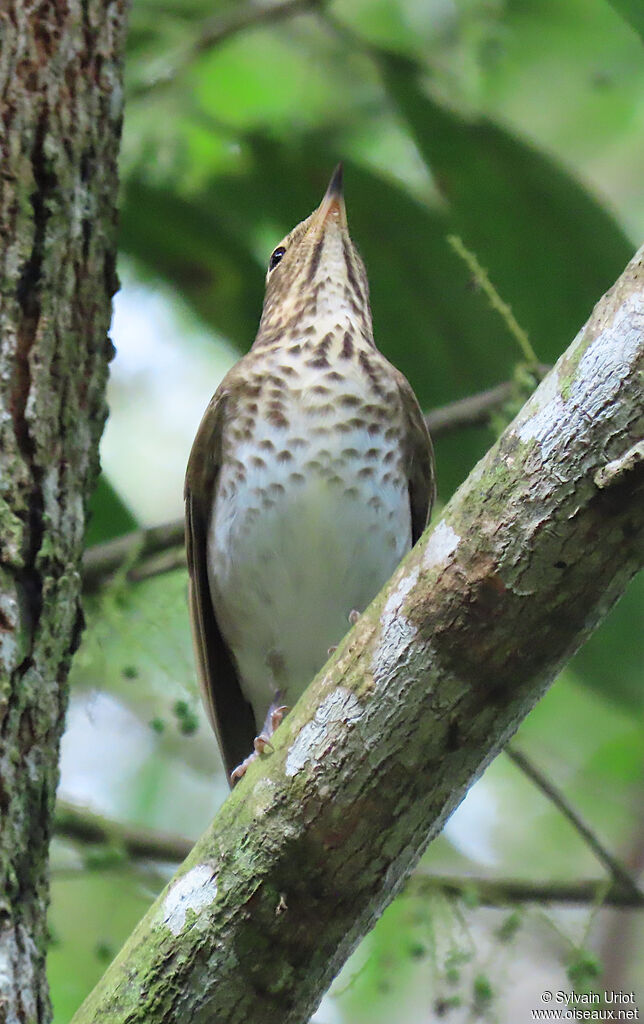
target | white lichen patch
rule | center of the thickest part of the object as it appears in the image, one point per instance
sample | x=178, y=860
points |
x=391, y=611
x=564, y=408
x=340, y=708
x=18, y=985
x=193, y=891
x=549, y=407
x=441, y=545
x=9, y=648
x=397, y=631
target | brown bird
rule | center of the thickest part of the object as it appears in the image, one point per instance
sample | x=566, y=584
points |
x=311, y=475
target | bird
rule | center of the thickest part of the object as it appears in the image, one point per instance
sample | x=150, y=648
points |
x=310, y=477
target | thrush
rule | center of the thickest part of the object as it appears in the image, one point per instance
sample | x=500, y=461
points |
x=310, y=476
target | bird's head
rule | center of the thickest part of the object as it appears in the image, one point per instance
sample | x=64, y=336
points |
x=315, y=273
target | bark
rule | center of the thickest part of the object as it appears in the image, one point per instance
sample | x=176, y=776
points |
x=428, y=687
x=60, y=118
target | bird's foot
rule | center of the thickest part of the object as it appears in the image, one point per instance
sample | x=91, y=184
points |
x=276, y=715
x=261, y=743
x=239, y=772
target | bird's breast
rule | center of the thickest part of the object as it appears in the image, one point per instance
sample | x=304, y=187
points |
x=310, y=518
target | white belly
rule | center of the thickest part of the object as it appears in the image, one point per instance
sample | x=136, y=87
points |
x=298, y=545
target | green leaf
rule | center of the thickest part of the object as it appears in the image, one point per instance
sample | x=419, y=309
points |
x=90, y=912
x=632, y=11
x=109, y=516
x=186, y=242
x=550, y=248
x=611, y=660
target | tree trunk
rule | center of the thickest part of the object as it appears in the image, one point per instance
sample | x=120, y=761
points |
x=60, y=120
x=428, y=687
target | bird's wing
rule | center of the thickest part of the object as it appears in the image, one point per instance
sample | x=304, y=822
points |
x=230, y=714
x=420, y=461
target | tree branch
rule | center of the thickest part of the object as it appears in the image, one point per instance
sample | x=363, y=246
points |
x=139, y=553
x=475, y=410
x=423, y=692
x=620, y=875
x=132, y=549
x=222, y=27
x=499, y=892
x=81, y=825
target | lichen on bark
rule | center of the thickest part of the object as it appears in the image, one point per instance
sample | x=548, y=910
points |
x=60, y=119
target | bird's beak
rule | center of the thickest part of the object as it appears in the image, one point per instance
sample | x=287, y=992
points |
x=332, y=206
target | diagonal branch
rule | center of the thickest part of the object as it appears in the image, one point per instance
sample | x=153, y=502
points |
x=423, y=692
x=620, y=875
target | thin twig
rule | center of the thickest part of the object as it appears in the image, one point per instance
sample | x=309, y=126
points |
x=102, y=560
x=619, y=938
x=498, y=892
x=220, y=28
x=620, y=875
x=84, y=826
x=480, y=275
x=475, y=409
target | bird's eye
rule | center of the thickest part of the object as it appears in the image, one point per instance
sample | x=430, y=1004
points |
x=276, y=256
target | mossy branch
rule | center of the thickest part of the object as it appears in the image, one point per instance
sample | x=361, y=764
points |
x=422, y=694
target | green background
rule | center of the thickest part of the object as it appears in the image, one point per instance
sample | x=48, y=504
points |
x=517, y=125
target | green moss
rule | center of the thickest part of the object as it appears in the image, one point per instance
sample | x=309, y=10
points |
x=487, y=495
x=22, y=636
x=11, y=530
x=299, y=783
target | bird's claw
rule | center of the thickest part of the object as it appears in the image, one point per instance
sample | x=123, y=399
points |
x=277, y=716
x=261, y=743
x=241, y=769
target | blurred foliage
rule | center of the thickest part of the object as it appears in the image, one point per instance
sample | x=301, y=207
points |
x=633, y=12
x=516, y=124
x=109, y=516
